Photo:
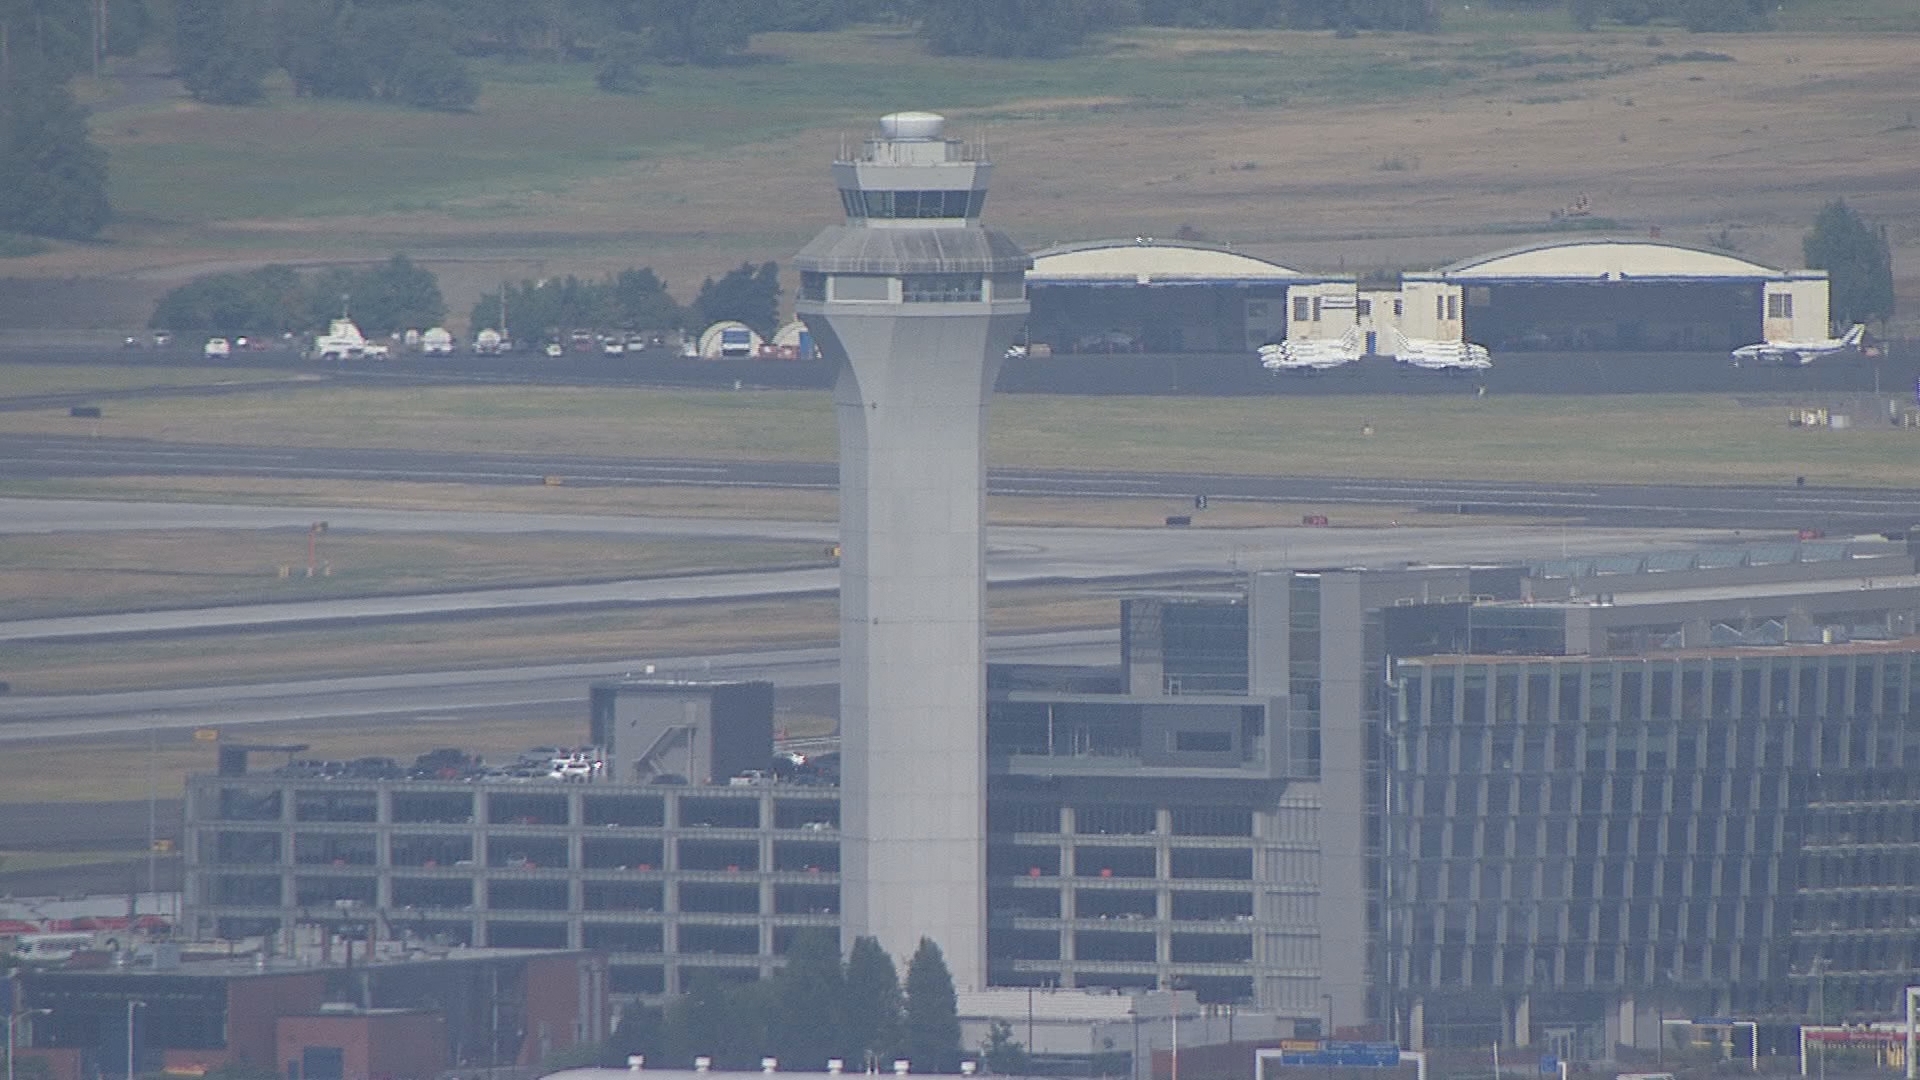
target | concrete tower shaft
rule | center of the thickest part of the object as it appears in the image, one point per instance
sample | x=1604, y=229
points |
x=917, y=303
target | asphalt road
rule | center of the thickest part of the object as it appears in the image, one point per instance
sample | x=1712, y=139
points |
x=1015, y=555
x=1103, y=374
x=1780, y=506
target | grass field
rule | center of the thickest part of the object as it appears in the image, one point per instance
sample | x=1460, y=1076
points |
x=1703, y=439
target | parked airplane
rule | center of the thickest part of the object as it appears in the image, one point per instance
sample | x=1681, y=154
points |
x=1310, y=355
x=1431, y=355
x=1798, y=353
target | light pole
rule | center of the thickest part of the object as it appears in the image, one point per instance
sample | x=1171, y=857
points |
x=11, y=1021
x=132, y=1004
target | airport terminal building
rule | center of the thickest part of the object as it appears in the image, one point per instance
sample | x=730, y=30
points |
x=1547, y=801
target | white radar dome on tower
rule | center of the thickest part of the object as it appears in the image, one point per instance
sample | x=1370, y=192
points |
x=912, y=125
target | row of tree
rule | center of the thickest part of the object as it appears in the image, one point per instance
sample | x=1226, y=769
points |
x=393, y=296
x=633, y=300
x=399, y=295
x=815, y=1008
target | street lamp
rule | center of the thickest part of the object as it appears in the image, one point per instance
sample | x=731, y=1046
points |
x=132, y=1004
x=11, y=1021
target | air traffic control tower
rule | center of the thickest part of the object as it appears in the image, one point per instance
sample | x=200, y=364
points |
x=917, y=303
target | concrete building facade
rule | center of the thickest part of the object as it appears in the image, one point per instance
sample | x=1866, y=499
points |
x=916, y=303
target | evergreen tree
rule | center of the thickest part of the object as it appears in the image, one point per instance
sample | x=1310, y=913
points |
x=702, y=1022
x=1858, y=261
x=809, y=1000
x=642, y=1030
x=53, y=179
x=875, y=1008
x=932, y=1034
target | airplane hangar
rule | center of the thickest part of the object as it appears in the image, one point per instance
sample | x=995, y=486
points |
x=1645, y=295
x=1634, y=296
x=1161, y=296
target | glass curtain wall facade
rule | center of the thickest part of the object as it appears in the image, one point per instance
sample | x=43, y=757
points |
x=1636, y=825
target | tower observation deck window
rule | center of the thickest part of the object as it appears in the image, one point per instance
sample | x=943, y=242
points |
x=911, y=205
x=940, y=288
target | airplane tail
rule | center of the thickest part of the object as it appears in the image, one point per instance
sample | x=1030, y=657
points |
x=1855, y=336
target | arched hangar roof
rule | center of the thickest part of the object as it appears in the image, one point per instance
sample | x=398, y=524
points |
x=1612, y=260
x=1145, y=261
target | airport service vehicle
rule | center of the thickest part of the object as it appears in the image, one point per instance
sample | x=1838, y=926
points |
x=437, y=341
x=1798, y=353
x=489, y=342
x=1311, y=356
x=614, y=346
x=1431, y=355
x=218, y=348
x=343, y=341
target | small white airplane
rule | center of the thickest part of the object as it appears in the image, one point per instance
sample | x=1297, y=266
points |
x=1311, y=356
x=1798, y=353
x=1432, y=355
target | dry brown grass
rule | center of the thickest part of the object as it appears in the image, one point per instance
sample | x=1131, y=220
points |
x=71, y=574
x=1533, y=120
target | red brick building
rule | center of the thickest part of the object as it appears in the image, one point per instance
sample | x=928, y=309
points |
x=403, y=1014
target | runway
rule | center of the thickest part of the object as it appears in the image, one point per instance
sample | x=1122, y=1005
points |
x=1785, y=505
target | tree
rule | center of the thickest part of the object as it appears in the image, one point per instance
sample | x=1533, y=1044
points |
x=220, y=50
x=642, y=302
x=932, y=1032
x=1858, y=261
x=642, y=1030
x=619, y=71
x=747, y=294
x=1002, y=1054
x=809, y=1000
x=1363, y=14
x=430, y=76
x=1034, y=28
x=691, y=31
x=1716, y=15
x=874, y=1006
x=53, y=179
x=396, y=295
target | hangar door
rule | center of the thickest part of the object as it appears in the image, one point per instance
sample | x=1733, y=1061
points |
x=1613, y=316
